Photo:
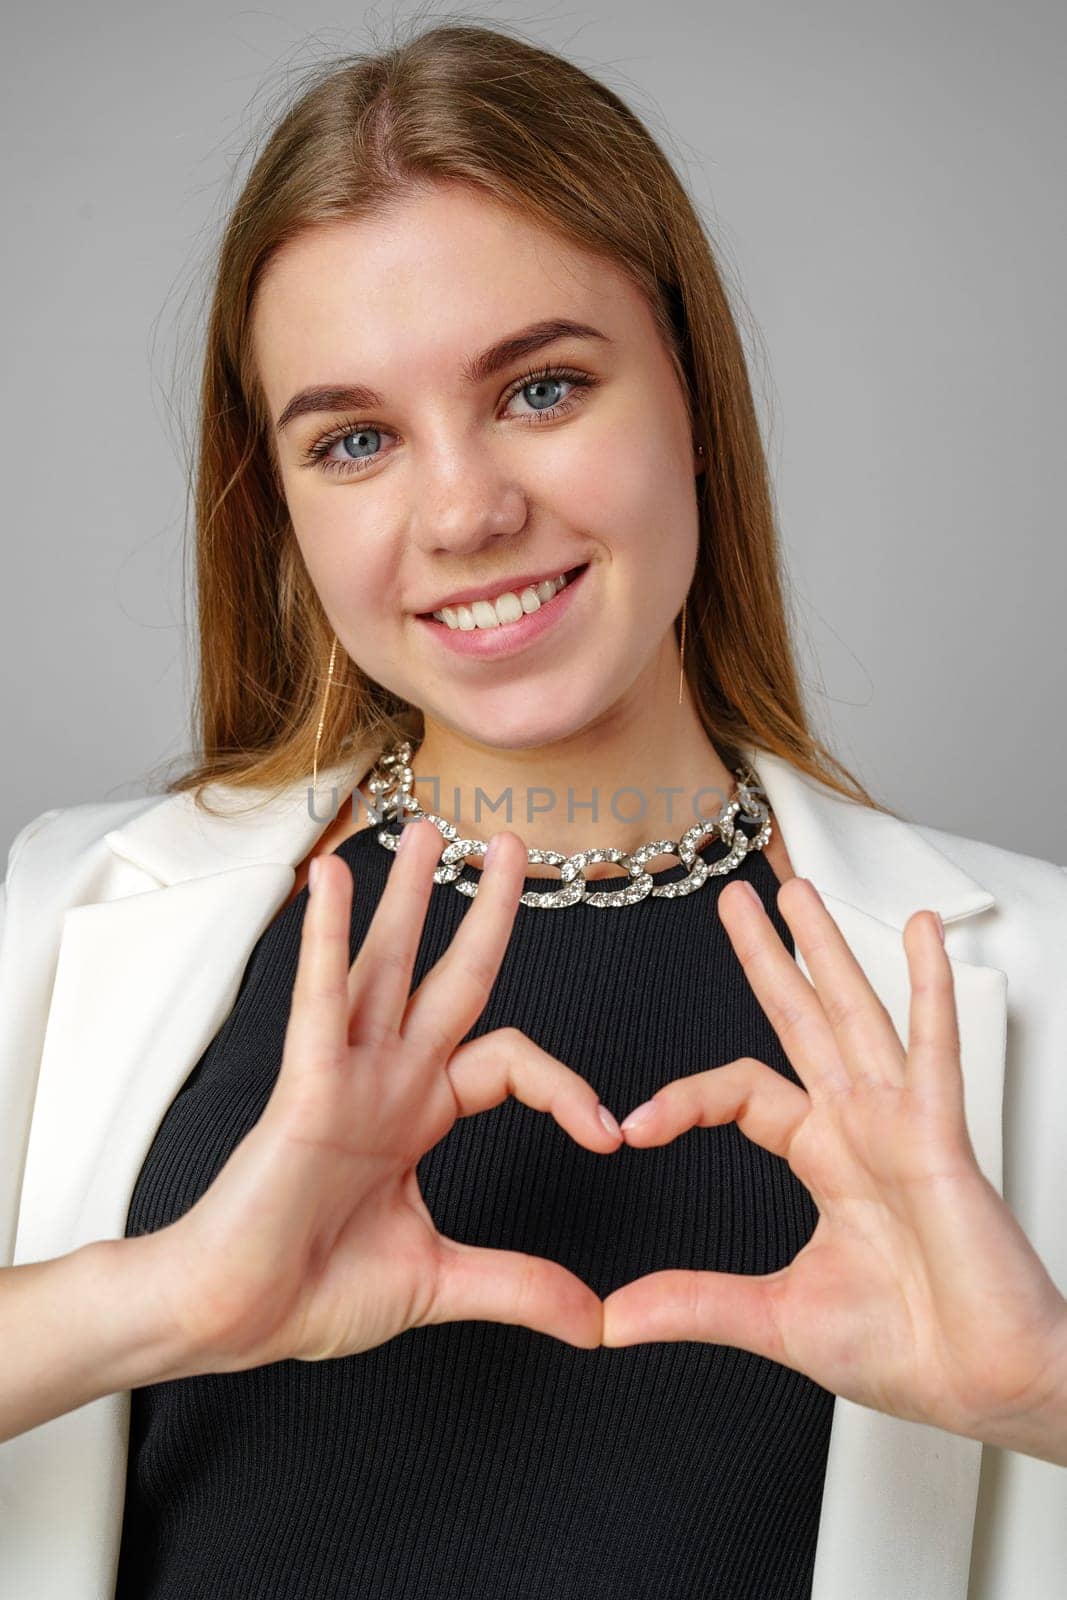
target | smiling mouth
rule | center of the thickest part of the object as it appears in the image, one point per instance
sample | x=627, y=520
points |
x=430, y=616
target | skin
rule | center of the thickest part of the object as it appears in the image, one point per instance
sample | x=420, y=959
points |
x=465, y=484
x=918, y=1294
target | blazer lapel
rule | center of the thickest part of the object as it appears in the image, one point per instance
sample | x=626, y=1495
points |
x=144, y=980
x=899, y=1497
x=148, y=969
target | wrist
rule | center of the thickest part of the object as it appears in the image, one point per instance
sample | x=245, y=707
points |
x=1039, y=1426
x=138, y=1339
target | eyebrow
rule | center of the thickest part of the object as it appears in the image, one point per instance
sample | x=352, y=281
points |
x=526, y=342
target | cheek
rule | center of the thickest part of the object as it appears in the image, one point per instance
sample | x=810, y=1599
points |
x=648, y=519
x=352, y=569
x=631, y=494
x=627, y=479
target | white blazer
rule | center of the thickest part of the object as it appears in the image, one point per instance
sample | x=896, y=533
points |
x=127, y=930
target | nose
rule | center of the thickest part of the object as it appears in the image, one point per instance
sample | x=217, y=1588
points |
x=466, y=501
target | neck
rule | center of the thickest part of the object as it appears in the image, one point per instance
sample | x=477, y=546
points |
x=644, y=770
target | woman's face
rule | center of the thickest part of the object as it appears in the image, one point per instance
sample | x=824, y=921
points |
x=457, y=477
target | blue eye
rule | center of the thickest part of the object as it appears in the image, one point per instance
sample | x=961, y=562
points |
x=362, y=435
x=357, y=437
x=542, y=383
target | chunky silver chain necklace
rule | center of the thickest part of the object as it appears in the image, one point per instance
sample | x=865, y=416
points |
x=392, y=781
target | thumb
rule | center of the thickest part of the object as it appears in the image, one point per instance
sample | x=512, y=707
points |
x=706, y=1307
x=475, y=1284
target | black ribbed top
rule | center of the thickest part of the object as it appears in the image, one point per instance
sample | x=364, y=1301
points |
x=479, y=1459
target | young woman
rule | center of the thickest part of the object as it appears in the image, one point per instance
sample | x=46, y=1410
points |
x=330, y=1269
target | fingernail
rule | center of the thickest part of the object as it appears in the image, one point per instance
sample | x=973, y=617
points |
x=405, y=834
x=639, y=1114
x=609, y=1122
x=490, y=850
x=752, y=895
x=312, y=870
x=940, y=927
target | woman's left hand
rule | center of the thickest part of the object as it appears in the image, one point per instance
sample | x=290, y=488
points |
x=918, y=1293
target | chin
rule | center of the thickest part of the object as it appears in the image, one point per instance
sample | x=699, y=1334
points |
x=498, y=730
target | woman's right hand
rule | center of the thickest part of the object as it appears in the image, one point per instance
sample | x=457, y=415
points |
x=314, y=1241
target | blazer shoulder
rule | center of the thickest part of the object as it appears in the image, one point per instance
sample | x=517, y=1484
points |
x=25, y=834
x=55, y=839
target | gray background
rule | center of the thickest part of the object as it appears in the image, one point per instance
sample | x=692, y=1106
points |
x=886, y=186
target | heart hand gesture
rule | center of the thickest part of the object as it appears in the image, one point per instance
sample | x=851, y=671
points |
x=314, y=1240
x=918, y=1293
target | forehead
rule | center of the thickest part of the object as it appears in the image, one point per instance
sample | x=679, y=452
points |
x=430, y=278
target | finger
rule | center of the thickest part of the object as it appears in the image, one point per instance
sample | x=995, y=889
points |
x=453, y=994
x=476, y=1284
x=380, y=980
x=787, y=997
x=766, y=1107
x=933, y=1056
x=317, y=1031
x=709, y=1307
x=484, y=1071
x=867, y=1042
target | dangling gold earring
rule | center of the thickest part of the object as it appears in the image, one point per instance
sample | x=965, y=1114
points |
x=681, y=651
x=322, y=717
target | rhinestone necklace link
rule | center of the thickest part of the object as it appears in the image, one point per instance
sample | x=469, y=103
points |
x=392, y=780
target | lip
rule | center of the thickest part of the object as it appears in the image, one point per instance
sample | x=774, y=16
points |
x=508, y=638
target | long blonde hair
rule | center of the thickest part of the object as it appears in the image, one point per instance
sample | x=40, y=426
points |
x=451, y=102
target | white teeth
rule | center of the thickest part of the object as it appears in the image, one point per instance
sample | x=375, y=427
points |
x=508, y=607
